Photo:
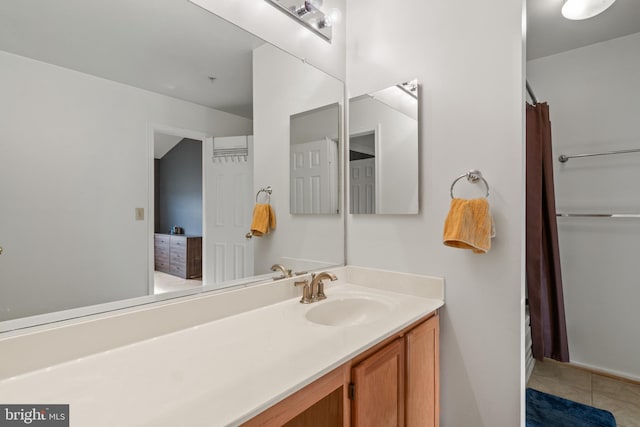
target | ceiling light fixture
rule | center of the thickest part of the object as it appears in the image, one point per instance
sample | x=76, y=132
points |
x=584, y=9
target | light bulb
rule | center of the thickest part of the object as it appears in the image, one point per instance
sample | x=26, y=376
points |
x=584, y=9
x=334, y=15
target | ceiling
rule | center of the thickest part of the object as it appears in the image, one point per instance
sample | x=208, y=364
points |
x=172, y=47
x=167, y=46
x=549, y=33
x=163, y=143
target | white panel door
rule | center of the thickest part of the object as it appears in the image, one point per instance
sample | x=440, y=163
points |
x=314, y=175
x=229, y=254
x=363, y=186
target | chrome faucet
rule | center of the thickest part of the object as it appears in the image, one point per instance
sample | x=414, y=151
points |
x=306, y=291
x=279, y=267
x=316, y=281
x=314, y=291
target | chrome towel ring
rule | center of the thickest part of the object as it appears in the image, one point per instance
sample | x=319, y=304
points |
x=472, y=176
x=267, y=190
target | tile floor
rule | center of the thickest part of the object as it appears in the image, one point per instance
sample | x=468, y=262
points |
x=621, y=398
x=163, y=282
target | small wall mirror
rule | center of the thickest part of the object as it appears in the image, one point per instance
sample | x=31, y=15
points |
x=383, y=151
x=314, y=164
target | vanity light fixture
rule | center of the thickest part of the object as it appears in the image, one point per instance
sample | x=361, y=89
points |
x=307, y=13
x=410, y=87
x=584, y=9
x=309, y=6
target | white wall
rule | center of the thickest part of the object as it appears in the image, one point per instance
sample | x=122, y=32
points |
x=593, y=96
x=468, y=56
x=396, y=153
x=269, y=23
x=74, y=163
x=295, y=87
x=316, y=125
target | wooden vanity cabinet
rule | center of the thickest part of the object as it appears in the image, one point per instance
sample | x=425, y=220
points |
x=422, y=399
x=395, y=383
x=323, y=403
x=377, y=388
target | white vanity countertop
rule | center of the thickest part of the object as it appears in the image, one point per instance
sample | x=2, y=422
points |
x=219, y=373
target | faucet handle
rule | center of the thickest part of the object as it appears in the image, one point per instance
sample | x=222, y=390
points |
x=318, y=284
x=306, y=291
x=320, y=292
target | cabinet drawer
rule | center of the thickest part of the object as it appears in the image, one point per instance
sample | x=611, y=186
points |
x=178, y=242
x=178, y=251
x=164, y=259
x=162, y=266
x=162, y=252
x=178, y=270
x=161, y=240
x=178, y=256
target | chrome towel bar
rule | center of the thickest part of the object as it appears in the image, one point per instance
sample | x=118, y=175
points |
x=267, y=190
x=472, y=176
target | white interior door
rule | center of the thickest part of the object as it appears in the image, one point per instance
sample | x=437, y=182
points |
x=363, y=186
x=229, y=255
x=314, y=176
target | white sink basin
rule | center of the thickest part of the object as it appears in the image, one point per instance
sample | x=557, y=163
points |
x=348, y=311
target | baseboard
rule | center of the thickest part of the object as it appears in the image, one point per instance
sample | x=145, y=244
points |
x=529, y=366
x=599, y=371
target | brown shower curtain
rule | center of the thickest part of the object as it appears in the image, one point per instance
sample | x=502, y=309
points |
x=544, y=282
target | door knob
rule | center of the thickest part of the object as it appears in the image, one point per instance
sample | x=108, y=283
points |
x=0, y=250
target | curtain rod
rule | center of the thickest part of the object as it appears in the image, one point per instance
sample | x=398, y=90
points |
x=530, y=92
x=598, y=215
x=564, y=158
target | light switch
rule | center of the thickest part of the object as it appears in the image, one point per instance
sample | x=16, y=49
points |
x=139, y=214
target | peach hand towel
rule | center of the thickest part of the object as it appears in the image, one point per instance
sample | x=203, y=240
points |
x=264, y=220
x=469, y=225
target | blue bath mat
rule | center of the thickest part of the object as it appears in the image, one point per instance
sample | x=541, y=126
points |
x=546, y=410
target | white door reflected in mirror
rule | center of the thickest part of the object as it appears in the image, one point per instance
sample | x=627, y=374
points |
x=362, y=173
x=314, y=142
x=383, y=151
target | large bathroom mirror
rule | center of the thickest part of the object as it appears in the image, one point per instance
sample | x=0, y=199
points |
x=383, y=151
x=136, y=138
x=315, y=165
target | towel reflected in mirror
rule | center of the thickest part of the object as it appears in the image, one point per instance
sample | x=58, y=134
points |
x=264, y=219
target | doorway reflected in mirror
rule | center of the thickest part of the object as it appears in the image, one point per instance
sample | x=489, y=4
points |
x=383, y=151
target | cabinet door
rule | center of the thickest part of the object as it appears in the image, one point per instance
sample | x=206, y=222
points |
x=422, y=405
x=379, y=388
